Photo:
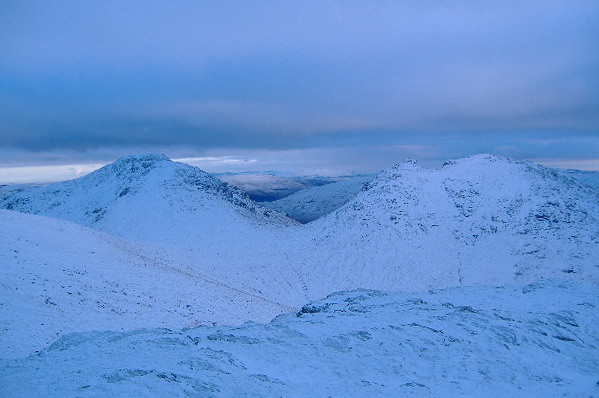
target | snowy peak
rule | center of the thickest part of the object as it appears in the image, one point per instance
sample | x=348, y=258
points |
x=142, y=193
x=484, y=189
x=409, y=164
x=133, y=166
x=479, y=220
x=495, y=166
x=147, y=159
x=154, y=170
x=394, y=173
x=484, y=176
x=483, y=158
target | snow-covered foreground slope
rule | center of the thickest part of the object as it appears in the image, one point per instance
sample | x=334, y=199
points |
x=479, y=220
x=58, y=278
x=534, y=340
x=312, y=203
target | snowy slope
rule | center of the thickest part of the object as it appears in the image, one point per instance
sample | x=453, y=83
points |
x=205, y=225
x=312, y=203
x=145, y=197
x=537, y=340
x=478, y=220
x=58, y=278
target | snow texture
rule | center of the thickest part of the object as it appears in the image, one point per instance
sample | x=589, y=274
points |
x=59, y=278
x=536, y=340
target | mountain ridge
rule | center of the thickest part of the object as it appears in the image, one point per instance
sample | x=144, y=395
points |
x=484, y=219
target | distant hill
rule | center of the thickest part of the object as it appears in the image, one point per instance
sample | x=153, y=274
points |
x=590, y=178
x=312, y=203
x=263, y=187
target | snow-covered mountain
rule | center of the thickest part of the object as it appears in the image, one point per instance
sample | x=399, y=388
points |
x=536, y=340
x=59, y=278
x=479, y=220
x=198, y=223
x=149, y=243
x=312, y=203
x=146, y=197
x=309, y=203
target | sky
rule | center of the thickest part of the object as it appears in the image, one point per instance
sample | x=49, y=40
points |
x=321, y=85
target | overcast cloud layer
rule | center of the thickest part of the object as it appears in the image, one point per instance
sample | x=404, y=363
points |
x=87, y=80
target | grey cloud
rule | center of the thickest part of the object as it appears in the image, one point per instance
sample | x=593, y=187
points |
x=460, y=76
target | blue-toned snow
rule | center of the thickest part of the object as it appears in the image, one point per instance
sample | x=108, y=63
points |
x=120, y=284
x=537, y=340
